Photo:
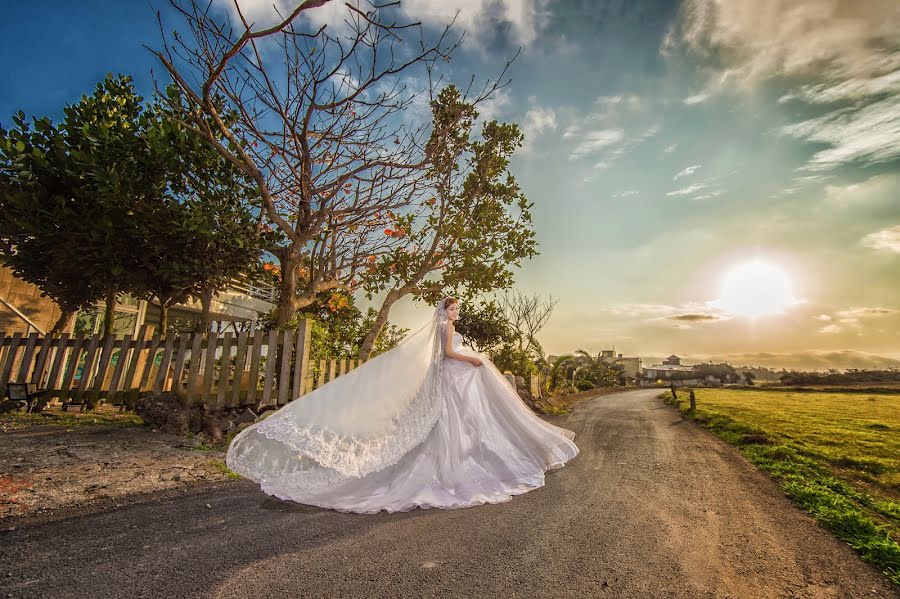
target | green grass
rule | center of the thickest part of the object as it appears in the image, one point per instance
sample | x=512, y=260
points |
x=836, y=455
x=20, y=420
x=227, y=471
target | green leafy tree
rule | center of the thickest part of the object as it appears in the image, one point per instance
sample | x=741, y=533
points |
x=474, y=226
x=508, y=357
x=121, y=198
x=68, y=217
x=211, y=226
x=484, y=326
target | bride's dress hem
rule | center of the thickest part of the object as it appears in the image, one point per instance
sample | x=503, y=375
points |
x=498, y=498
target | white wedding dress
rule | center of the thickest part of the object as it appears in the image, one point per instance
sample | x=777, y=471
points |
x=454, y=436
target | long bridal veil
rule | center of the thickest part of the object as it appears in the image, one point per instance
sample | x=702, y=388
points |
x=361, y=422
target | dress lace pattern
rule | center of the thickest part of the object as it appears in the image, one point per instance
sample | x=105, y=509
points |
x=357, y=456
x=324, y=456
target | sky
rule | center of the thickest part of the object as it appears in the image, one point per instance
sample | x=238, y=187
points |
x=715, y=179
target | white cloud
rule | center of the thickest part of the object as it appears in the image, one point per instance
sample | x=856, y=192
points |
x=686, y=191
x=886, y=239
x=603, y=132
x=688, y=171
x=670, y=149
x=851, y=89
x=706, y=196
x=831, y=329
x=592, y=141
x=492, y=108
x=525, y=19
x=626, y=194
x=800, y=37
x=696, y=98
x=869, y=134
x=538, y=121
x=848, y=49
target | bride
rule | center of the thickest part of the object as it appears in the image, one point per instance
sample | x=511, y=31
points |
x=426, y=424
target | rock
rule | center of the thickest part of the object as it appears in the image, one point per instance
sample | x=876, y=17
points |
x=10, y=405
x=269, y=410
x=216, y=426
x=242, y=426
x=246, y=417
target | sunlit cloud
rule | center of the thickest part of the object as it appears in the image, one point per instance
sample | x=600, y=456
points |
x=874, y=189
x=852, y=318
x=695, y=317
x=886, y=239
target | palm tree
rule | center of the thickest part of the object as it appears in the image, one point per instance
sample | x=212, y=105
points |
x=595, y=372
x=562, y=363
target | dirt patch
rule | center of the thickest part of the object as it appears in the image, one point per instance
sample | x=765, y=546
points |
x=46, y=468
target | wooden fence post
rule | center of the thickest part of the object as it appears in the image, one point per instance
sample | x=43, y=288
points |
x=302, y=381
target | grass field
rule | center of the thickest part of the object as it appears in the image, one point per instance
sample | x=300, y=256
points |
x=835, y=454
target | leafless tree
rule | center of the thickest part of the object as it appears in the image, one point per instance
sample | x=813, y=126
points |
x=527, y=314
x=314, y=117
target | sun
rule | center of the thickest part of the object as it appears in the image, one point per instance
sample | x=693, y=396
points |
x=756, y=288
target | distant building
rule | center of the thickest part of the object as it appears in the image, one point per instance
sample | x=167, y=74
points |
x=669, y=366
x=631, y=366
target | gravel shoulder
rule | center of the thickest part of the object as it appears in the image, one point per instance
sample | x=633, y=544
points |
x=47, y=470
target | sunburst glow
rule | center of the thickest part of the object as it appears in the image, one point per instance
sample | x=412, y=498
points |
x=755, y=289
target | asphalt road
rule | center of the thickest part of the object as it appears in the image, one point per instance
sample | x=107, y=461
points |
x=653, y=506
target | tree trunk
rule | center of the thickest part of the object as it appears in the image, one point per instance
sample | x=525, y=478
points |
x=109, y=313
x=380, y=321
x=63, y=322
x=163, y=316
x=287, y=290
x=203, y=323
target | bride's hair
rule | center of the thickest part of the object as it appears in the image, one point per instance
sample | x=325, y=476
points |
x=449, y=301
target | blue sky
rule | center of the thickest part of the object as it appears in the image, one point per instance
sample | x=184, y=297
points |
x=667, y=144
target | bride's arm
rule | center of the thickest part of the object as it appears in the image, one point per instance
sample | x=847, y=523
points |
x=448, y=349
